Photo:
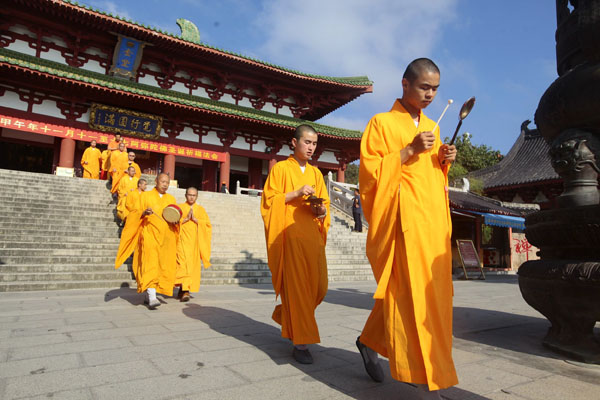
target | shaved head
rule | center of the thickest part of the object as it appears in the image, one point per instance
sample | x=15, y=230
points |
x=141, y=182
x=418, y=67
x=302, y=129
x=162, y=183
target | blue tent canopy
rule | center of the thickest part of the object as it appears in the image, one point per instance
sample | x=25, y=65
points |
x=504, y=221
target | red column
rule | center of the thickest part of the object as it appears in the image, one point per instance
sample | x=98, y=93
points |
x=272, y=163
x=209, y=176
x=224, y=175
x=67, y=153
x=340, y=173
x=169, y=165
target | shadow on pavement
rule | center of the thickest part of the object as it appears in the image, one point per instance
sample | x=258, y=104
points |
x=339, y=369
x=509, y=331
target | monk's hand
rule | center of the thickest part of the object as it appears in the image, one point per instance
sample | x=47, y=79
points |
x=192, y=217
x=447, y=154
x=148, y=211
x=305, y=190
x=423, y=142
x=318, y=209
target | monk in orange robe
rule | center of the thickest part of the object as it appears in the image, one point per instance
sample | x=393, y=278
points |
x=128, y=184
x=195, y=235
x=403, y=184
x=294, y=208
x=105, y=166
x=154, y=241
x=118, y=166
x=90, y=161
x=132, y=163
x=113, y=145
x=132, y=203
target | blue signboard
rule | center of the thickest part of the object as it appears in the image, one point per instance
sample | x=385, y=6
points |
x=118, y=120
x=127, y=56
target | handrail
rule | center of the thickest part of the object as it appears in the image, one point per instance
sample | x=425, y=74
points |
x=341, y=197
x=249, y=191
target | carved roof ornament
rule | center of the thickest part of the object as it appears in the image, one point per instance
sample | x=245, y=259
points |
x=189, y=31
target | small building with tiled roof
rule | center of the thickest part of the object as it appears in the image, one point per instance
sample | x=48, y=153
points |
x=70, y=74
x=525, y=174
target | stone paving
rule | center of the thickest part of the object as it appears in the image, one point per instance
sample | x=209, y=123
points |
x=104, y=344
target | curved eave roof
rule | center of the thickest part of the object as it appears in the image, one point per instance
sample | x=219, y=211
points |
x=527, y=162
x=145, y=32
x=468, y=201
x=54, y=70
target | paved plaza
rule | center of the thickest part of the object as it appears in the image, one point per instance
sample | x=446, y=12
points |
x=104, y=344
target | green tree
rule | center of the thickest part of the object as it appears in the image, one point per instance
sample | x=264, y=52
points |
x=471, y=158
x=351, y=175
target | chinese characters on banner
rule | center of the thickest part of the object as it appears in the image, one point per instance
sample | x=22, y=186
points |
x=42, y=128
x=118, y=120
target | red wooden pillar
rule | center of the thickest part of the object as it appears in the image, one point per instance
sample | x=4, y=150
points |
x=255, y=172
x=67, y=153
x=209, y=176
x=169, y=165
x=341, y=172
x=225, y=166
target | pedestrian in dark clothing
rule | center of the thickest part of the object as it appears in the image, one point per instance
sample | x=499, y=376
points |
x=357, y=211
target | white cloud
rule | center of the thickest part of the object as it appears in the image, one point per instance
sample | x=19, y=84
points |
x=111, y=7
x=354, y=37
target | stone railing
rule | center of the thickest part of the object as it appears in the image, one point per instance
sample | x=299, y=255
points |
x=341, y=195
x=246, y=191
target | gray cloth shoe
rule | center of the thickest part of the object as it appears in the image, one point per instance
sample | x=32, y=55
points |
x=302, y=356
x=372, y=366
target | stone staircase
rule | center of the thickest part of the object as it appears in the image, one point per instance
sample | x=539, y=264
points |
x=61, y=233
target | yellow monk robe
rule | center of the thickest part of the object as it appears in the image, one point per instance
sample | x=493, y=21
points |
x=119, y=161
x=296, y=249
x=93, y=157
x=127, y=185
x=194, y=248
x=408, y=246
x=113, y=145
x=105, y=163
x=138, y=171
x=154, y=242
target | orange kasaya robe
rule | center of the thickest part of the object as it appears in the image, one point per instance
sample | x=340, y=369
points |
x=119, y=162
x=105, y=163
x=92, y=156
x=113, y=145
x=296, y=249
x=154, y=242
x=127, y=185
x=138, y=171
x=194, y=247
x=408, y=246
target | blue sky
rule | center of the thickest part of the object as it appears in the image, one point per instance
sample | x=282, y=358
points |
x=501, y=52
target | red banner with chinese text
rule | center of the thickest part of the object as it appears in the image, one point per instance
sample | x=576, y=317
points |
x=42, y=128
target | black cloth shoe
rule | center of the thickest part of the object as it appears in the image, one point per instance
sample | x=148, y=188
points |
x=372, y=366
x=302, y=356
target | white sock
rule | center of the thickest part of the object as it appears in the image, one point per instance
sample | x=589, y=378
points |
x=151, y=293
x=426, y=394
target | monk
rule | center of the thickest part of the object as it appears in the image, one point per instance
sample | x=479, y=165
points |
x=403, y=185
x=154, y=241
x=132, y=163
x=90, y=161
x=194, y=245
x=294, y=208
x=113, y=145
x=128, y=184
x=105, y=164
x=118, y=166
x=132, y=203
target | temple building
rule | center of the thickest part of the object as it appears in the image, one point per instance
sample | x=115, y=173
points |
x=525, y=174
x=70, y=74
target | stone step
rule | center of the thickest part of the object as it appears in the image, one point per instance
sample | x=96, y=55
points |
x=64, y=276
x=65, y=285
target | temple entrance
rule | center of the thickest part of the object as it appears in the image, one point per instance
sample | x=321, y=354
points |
x=188, y=175
x=26, y=157
x=234, y=177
